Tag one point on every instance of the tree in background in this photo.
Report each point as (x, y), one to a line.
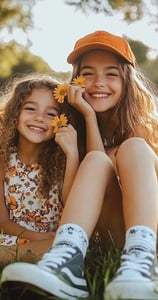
(132, 10)
(15, 13)
(14, 58)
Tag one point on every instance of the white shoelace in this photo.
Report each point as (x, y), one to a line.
(57, 256)
(141, 262)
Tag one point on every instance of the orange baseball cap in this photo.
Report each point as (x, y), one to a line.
(105, 41)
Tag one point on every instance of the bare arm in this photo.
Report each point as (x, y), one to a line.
(66, 137)
(75, 98)
(93, 140)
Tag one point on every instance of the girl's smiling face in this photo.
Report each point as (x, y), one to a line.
(37, 113)
(103, 82)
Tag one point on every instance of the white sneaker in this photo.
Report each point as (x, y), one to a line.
(137, 278)
(60, 273)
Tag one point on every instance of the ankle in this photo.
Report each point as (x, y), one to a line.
(72, 235)
(141, 238)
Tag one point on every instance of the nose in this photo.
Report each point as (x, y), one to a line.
(39, 117)
(99, 82)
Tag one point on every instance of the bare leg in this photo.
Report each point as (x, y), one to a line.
(138, 170)
(111, 221)
(85, 199)
(137, 165)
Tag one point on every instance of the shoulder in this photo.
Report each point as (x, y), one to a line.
(141, 132)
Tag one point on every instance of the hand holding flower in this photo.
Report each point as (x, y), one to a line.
(59, 121)
(60, 91)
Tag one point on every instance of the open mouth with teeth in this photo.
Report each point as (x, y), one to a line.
(35, 128)
(99, 96)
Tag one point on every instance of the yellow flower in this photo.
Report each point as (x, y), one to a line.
(59, 122)
(79, 80)
(60, 92)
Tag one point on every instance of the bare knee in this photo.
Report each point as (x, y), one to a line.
(133, 148)
(98, 157)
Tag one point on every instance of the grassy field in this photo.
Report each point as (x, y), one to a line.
(99, 268)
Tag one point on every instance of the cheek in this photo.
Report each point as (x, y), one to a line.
(51, 132)
(23, 116)
(85, 96)
(120, 92)
(118, 86)
(20, 121)
(88, 82)
(88, 85)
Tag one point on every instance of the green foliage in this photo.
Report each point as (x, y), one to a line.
(16, 59)
(132, 10)
(15, 13)
(151, 69)
(140, 50)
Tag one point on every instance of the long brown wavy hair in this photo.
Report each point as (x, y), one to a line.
(51, 159)
(138, 107)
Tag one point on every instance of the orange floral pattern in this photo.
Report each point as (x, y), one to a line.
(25, 208)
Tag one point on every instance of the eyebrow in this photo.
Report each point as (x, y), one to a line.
(91, 67)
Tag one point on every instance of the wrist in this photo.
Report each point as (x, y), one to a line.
(72, 156)
(91, 116)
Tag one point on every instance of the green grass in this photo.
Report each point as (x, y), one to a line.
(99, 268)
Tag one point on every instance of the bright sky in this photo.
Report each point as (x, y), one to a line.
(57, 26)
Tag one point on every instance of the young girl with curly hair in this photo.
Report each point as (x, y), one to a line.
(116, 114)
(37, 165)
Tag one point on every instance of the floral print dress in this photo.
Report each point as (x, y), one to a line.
(25, 208)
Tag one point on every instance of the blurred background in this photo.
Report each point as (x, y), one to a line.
(38, 35)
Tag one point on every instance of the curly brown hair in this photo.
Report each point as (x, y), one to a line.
(138, 107)
(52, 159)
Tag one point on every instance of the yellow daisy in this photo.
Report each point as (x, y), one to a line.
(60, 92)
(59, 122)
(79, 80)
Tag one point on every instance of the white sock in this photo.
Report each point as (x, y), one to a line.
(74, 235)
(140, 237)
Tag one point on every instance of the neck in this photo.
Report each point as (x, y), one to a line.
(107, 122)
(28, 155)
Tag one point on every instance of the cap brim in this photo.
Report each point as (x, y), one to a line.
(74, 55)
